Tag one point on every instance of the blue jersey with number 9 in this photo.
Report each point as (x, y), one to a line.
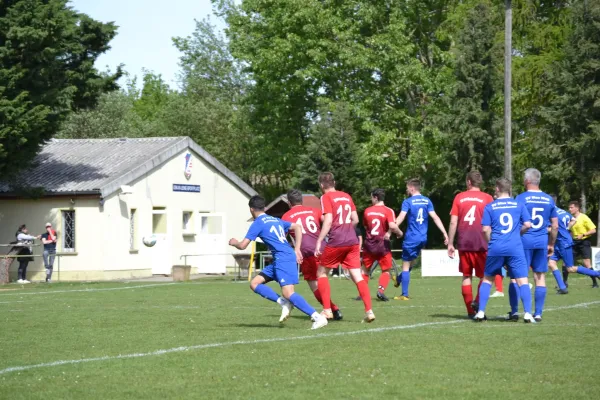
(505, 216)
(541, 207)
(272, 231)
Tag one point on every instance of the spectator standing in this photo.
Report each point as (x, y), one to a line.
(49, 241)
(25, 241)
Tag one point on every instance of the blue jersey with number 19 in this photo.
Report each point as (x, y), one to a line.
(505, 216)
(541, 207)
(417, 210)
(272, 232)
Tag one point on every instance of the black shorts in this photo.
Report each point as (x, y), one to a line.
(582, 249)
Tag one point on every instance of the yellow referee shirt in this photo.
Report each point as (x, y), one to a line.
(582, 225)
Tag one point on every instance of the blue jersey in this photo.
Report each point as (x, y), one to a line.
(272, 232)
(541, 207)
(505, 216)
(564, 238)
(417, 210)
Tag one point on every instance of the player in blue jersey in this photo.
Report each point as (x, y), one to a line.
(284, 270)
(504, 220)
(416, 209)
(537, 242)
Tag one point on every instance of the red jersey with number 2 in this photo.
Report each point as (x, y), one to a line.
(468, 207)
(376, 220)
(340, 206)
(309, 218)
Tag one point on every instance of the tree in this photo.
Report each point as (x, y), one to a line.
(47, 55)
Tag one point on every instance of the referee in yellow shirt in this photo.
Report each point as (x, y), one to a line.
(581, 232)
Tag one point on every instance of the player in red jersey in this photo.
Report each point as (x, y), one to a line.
(309, 219)
(378, 220)
(339, 220)
(465, 217)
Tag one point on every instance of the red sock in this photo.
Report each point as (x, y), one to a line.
(384, 281)
(498, 282)
(325, 291)
(478, 286)
(320, 300)
(467, 292)
(366, 278)
(363, 290)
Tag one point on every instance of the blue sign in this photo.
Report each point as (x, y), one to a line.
(186, 188)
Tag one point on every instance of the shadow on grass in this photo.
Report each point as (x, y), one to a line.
(241, 325)
(448, 316)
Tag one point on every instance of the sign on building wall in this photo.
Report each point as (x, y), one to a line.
(186, 188)
(188, 166)
(437, 263)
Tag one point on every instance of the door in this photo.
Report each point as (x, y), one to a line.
(161, 251)
(212, 244)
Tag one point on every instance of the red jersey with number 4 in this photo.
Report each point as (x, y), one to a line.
(468, 207)
(309, 218)
(340, 206)
(376, 220)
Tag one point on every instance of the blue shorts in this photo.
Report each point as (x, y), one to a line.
(516, 265)
(283, 272)
(537, 259)
(565, 254)
(410, 251)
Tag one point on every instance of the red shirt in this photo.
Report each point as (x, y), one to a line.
(376, 220)
(468, 207)
(340, 206)
(309, 218)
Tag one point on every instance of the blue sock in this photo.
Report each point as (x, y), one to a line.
(525, 294)
(540, 299)
(301, 304)
(484, 295)
(266, 292)
(513, 297)
(405, 282)
(587, 271)
(559, 279)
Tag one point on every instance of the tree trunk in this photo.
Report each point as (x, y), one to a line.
(582, 184)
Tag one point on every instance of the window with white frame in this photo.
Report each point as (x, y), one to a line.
(133, 229)
(68, 231)
(187, 223)
(159, 220)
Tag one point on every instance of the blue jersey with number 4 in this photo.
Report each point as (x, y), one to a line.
(272, 231)
(505, 216)
(541, 207)
(417, 210)
(564, 238)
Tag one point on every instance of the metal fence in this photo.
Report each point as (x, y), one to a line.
(4, 257)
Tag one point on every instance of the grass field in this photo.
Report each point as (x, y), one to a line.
(224, 342)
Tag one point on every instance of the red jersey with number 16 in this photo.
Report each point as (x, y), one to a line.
(468, 207)
(340, 206)
(309, 219)
(376, 220)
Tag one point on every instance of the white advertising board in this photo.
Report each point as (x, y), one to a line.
(596, 258)
(437, 263)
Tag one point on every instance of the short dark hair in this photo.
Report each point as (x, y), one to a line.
(294, 196)
(327, 180)
(257, 203)
(575, 203)
(414, 182)
(379, 194)
(503, 185)
(475, 178)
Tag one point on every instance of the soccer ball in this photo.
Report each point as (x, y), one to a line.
(149, 241)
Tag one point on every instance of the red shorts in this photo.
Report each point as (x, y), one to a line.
(385, 261)
(309, 268)
(348, 256)
(472, 261)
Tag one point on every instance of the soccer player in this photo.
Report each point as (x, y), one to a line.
(581, 232)
(504, 220)
(537, 243)
(284, 269)
(378, 220)
(465, 219)
(309, 219)
(339, 220)
(416, 209)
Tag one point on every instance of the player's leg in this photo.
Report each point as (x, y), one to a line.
(319, 321)
(259, 284)
(493, 266)
(352, 263)
(310, 266)
(368, 260)
(386, 263)
(478, 262)
(410, 252)
(553, 266)
(539, 265)
(587, 261)
(466, 268)
(518, 269)
(498, 281)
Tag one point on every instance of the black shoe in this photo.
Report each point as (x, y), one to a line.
(562, 291)
(337, 315)
(471, 316)
(595, 286)
(358, 298)
(512, 317)
(382, 297)
(475, 306)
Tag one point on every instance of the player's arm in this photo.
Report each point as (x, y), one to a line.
(354, 218)
(325, 228)
(297, 228)
(395, 229)
(572, 222)
(452, 234)
(525, 227)
(487, 233)
(240, 245)
(401, 218)
(591, 228)
(553, 231)
(438, 223)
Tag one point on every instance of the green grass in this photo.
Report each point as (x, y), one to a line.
(452, 359)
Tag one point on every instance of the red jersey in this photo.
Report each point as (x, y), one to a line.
(340, 206)
(376, 220)
(309, 219)
(468, 207)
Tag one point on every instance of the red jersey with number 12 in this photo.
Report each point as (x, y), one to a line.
(309, 218)
(340, 206)
(376, 220)
(468, 207)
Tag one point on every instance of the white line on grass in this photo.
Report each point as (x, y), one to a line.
(87, 290)
(9, 302)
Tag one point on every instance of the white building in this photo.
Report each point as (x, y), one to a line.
(104, 195)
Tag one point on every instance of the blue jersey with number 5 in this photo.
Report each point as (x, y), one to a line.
(564, 238)
(272, 231)
(541, 207)
(417, 210)
(505, 216)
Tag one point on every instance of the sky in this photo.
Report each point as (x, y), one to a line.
(145, 31)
